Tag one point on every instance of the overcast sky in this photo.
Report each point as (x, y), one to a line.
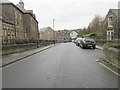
(69, 14)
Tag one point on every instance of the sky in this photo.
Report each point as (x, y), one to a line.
(68, 14)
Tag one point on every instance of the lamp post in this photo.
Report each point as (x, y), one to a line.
(54, 23)
(53, 29)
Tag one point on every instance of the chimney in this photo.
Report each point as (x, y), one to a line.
(21, 3)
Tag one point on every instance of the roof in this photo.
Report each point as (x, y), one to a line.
(24, 10)
(44, 29)
(5, 19)
(76, 30)
(5, 1)
(115, 11)
(63, 31)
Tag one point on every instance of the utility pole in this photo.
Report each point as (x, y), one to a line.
(53, 29)
(54, 24)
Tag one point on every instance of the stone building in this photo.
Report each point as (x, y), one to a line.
(30, 24)
(8, 34)
(25, 23)
(63, 35)
(110, 25)
(67, 35)
(47, 33)
(16, 16)
(111, 29)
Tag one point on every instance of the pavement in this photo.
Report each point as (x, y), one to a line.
(99, 47)
(103, 62)
(65, 66)
(12, 58)
(62, 66)
(109, 66)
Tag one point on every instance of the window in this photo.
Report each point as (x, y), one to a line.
(110, 35)
(26, 33)
(5, 33)
(110, 21)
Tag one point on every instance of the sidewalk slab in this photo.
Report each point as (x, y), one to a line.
(109, 66)
(99, 47)
(21, 55)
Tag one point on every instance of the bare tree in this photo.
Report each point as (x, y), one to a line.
(95, 26)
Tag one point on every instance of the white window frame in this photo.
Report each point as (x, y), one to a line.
(110, 34)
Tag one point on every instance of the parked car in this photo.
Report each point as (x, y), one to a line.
(87, 43)
(77, 41)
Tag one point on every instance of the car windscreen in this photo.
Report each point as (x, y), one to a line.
(89, 39)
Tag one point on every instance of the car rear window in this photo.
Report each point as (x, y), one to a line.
(88, 39)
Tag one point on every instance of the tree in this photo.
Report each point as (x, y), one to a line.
(95, 26)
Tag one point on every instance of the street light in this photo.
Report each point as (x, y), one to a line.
(54, 24)
(53, 29)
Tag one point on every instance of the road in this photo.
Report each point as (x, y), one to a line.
(62, 66)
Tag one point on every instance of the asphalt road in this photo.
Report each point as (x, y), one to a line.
(62, 66)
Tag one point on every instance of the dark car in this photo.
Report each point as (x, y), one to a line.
(88, 43)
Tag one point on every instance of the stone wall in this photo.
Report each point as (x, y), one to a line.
(17, 48)
(100, 42)
(10, 49)
(111, 53)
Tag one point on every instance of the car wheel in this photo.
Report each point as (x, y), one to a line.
(83, 47)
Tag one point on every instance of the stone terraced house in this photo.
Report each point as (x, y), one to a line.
(110, 25)
(25, 23)
(8, 34)
(47, 33)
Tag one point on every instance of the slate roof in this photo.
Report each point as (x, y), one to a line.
(5, 19)
(115, 11)
(44, 29)
(76, 30)
(5, 1)
(19, 8)
(24, 10)
(63, 33)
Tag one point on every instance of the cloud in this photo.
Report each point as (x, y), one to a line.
(69, 14)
